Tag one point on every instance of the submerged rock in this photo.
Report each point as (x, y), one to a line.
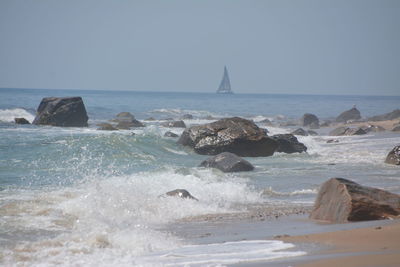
(187, 117)
(236, 135)
(126, 125)
(288, 143)
(62, 111)
(330, 141)
(21, 121)
(352, 114)
(394, 156)
(227, 162)
(341, 200)
(310, 120)
(174, 124)
(182, 193)
(170, 134)
(300, 131)
(106, 127)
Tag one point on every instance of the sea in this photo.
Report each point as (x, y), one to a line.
(85, 197)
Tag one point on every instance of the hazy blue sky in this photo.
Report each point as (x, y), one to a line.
(303, 47)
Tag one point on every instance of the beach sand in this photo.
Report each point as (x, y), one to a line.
(369, 246)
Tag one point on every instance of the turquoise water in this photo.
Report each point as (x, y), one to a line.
(87, 197)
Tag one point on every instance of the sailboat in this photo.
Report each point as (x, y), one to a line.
(225, 85)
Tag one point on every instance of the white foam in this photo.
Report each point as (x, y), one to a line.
(8, 115)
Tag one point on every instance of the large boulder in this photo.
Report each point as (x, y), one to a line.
(347, 131)
(352, 114)
(125, 121)
(340, 200)
(236, 135)
(21, 121)
(387, 116)
(288, 143)
(174, 124)
(394, 156)
(310, 120)
(227, 162)
(62, 111)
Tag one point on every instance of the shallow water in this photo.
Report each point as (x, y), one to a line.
(78, 196)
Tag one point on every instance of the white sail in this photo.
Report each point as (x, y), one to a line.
(225, 85)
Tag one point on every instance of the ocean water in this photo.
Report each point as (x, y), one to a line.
(83, 197)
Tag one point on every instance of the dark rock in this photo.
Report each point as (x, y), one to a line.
(309, 119)
(187, 117)
(396, 128)
(182, 193)
(325, 124)
(126, 125)
(106, 127)
(288, 124)
(174, 124)
(21, 121)
(62, 111)
(347, 131)
(150, 119)
(387, 116)
(349, 115)
(373, 128)
(266, 122)
(288, 143)
(236, 135)
(125, 116)
(300, 131)
(394, 156)
(340, 200)
(227, 162)
(330, 141)
(170, 134)
(312, 133)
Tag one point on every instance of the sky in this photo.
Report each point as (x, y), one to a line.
(281, 46)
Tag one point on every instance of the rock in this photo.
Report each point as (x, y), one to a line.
(62, 111)
(236, 135)
(150, 119)
(309, 119)
(325, 124)
(347, 131)
(312, 133)
(394, 156)
(330, 141)
(187, 117)
(125, 116)
(126, 125)
(387, 116)
(106, 127)
(227, 162)
(396, 128)
(266, 122)
(21, 121)
(288, 143)
(349, 115)
(373, 128)
(300, 131)
(174, 124)
(170, 134)
(340, 200)
(182, 193)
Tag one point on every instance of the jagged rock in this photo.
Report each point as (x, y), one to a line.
(373, 128)
(187, 117)
(288, 143)
(387, 116)
(394, 156)
(21, 121)
(340, 200)
(309, 119)
(347, 131)
(170, 134)
(182, 193)
(174, 124)
(227, 162)
(349, 115)
(106, 127)
(236, 135)
(62, 111)
(300, 131)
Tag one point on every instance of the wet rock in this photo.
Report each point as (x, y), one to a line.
(126, 125)
(288, 143)
(396, 128)
(373, 128)
(312, 133)
(106, 127)
(394, 156)
(341, 200)
(227, 162)
(150, 119)
(174, 124)
(62, 111)
(352, 114)
(387, 116)
(300, 131)
(236, 135)
(310, 120)
(325, 124)
(21, 121)
(330, 141)
(187, 117)
(266, 122)
(170, 134)
(347, 131)
(125, 116)
(182, 193)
